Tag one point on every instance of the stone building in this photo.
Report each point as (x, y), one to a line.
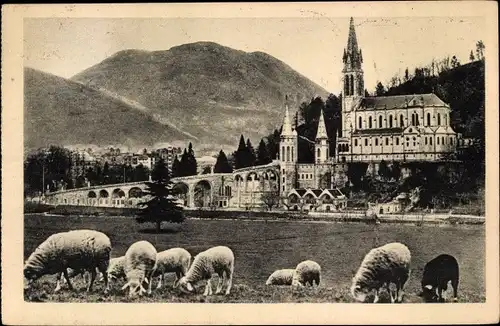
(390, 128)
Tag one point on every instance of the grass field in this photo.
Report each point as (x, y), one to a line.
(260, 247)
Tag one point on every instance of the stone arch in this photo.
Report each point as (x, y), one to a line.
(135, 192)
(360, 123)
(326, 198)
(380, 120)
(91, 194)
(118, 193)
(370, 122)
(428, 119)
(103, 194)
(309, 199)
(202, 193)
(181, 190)
(252, 181)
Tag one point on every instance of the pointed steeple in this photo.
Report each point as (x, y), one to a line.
(352, 55)
(287, 125)
(321, 133)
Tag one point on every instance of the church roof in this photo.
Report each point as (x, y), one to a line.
(321, 133)
(352, 54)
(400, 101)
(381, 131)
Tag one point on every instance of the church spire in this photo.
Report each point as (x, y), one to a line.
(352, 55)
(321, 133)
(287, 126)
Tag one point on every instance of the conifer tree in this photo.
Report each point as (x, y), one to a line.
(263, 154)
(250, 154)
(222, 164)
(183, 166)
(240, 154)
(191, 161)
(162, 206)
(176, 167)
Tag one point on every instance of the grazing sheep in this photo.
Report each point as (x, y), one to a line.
(217, 260)
(78, 250)
(139, 266)
(281, 277)
(175, 260)
(437, 273)
(306, 272)
(381, 266)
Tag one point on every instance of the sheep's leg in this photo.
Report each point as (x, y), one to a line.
(178, 276)
(229, 276)
(219, 285)
(208, 287)
(454, 284)
(60, 279)
(161, 278)
(92, 279)
(66, 276)
(375, 300)
(104, 271)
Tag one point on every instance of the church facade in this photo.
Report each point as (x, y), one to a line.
(391, 128)
(399, 128)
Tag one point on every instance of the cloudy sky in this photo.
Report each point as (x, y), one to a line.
(312, 46)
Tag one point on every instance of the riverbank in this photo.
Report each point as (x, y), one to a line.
(346, 216)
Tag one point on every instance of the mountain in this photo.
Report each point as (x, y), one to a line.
(210, 91)
(58, 111)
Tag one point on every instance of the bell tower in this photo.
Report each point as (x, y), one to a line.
(288, 154)
(353, 88)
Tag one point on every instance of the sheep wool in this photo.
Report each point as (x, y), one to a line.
(116, 268)
(281, 277)
(383, 265)
(140, 264)
(216, 260)
(306, 272)
(174, 260)
(78, 250)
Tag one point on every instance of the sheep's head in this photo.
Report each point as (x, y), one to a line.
(359, 293)
(428, 293)
(185, 285)
(135, 288)
(31, 274)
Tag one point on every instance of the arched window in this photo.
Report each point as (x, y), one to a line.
(352, 85)
(376, 141)
(445, 119)
(412, 119)
(397, 140)
(401, 121)
(439, 119)
(318, 155)
(346, 85)
(387, 141)
(425, 140)
(283, 153)
(339, 149)
(288, 153)
(390, 121)
(360, 122)
(416, 120)
(355, 142)
(380, 121)
(366, 142)
(369, 122)
(438, 140)
(442, 140)
(292, 154)
(430, 140)
(428, 119)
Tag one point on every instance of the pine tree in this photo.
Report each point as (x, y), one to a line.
(183, 166)
(176, 167)
(191, 161)
(471, 56)
(240, 155)
(162, 206)
(262, 154)
(251, 158)
(380, 90)
(222, 164)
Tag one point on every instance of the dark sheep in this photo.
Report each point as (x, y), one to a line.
(437, 273)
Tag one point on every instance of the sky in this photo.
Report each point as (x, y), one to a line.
(313, 46)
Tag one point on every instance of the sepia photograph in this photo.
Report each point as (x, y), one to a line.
(283, 157)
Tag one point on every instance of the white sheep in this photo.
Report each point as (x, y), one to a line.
(306, 272)
(78, 250)
(217, 260)
(174, 260)
(281, 277)
(381, 266)
(140, 264)
(116, 268)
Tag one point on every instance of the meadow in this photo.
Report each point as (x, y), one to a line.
(260, 247)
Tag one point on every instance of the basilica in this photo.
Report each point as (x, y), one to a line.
(391, 128)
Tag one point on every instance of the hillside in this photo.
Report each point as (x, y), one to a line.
(211, 91)
(62, 112)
